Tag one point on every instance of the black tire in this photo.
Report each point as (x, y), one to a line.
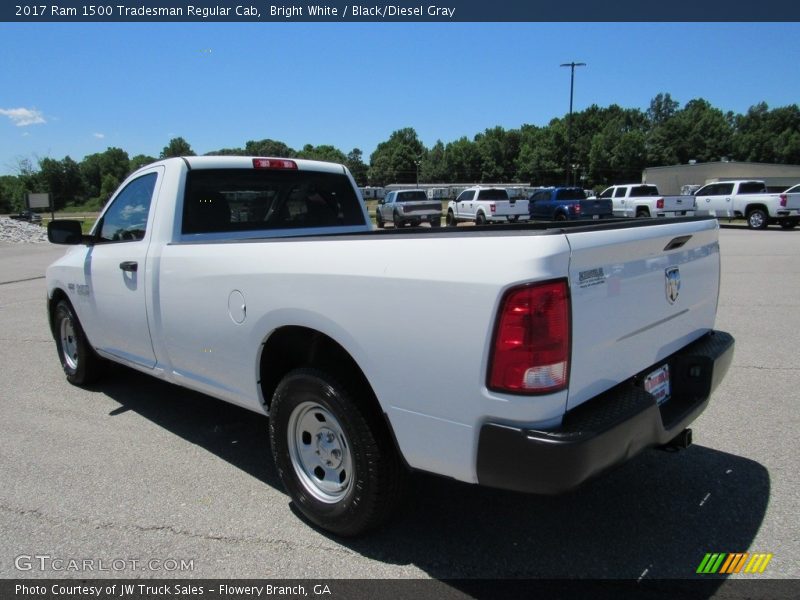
(398, 222)
(788, 224)
(642, 213)
(561, 217)
(757, 219)
(334, 456)
(451, 219)
(480, 219)
(80, 363)
(436, 221)
(378, 219)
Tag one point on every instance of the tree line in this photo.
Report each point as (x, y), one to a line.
(608, 145)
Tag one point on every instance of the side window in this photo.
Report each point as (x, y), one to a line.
(752, 187)
(709, 190)
(723, 189)
(619, 193)
(607, 193)
(465, 196)
(126, 218)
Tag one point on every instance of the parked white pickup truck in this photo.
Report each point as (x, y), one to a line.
(643, 200)
(408, 206)
(749, 199)
(260, 281)
(483, 205)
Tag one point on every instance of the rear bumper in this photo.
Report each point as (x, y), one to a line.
(606, 430)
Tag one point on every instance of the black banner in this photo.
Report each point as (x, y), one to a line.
(400, 589)
(400, 11)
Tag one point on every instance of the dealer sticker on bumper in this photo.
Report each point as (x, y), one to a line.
(657, 384)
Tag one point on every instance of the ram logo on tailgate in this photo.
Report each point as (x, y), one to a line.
(673, 286)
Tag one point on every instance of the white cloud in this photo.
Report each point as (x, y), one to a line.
(22, 117)
(99, 136)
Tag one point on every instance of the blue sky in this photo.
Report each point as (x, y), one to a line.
(78, 88)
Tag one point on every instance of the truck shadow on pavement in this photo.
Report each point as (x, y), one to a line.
(653, 518)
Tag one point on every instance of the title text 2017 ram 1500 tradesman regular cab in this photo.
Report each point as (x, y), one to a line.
(261, 282)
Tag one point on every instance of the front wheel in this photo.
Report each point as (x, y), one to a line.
(80, 363)
(451, 219)
(757, 219)
(378, 219)
(337, 463)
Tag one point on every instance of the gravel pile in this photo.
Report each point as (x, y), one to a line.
(21, 232)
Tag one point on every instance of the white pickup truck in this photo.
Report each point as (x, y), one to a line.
(483, 205)
(643, 200)
(751, 200)
(260, 281)
(413, 207)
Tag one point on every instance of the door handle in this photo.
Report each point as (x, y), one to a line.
(129, 265)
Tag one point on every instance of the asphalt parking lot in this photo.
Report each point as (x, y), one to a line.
(154, 477)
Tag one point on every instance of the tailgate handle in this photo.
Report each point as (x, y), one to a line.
(678, 242)
(129, 265)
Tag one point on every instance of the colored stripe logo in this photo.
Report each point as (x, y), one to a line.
(728, 563)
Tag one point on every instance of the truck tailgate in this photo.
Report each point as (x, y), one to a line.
(638, 295)
(792, 201)
(678, 204)
(510, 208)
(595, 206)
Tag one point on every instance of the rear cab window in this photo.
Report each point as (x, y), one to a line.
(492, 194)
(414, 196)
(234, 200)
(639, 191)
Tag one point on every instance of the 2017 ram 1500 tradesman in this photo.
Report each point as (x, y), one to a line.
(261, 282)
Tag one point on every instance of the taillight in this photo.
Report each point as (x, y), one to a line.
(784, 200)
(273, 163)
(530, 350)
(492, 207)
(660, 203)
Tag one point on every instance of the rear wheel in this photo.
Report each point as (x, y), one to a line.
(480, 219)
(451, 219)
(757, 219)
(642, 213)
(335, 459)
(398, 222)
(379, 219)
(80, 363)
(788, 224)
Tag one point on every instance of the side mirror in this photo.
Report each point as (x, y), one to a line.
(64, 231)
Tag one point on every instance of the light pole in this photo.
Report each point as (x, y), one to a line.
(572, 66)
